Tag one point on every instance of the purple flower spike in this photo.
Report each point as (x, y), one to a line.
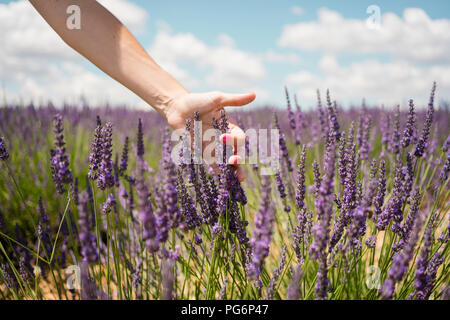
(124, 158)
(385, 129)
(61, 173)
(262, 235)
(410, 126)
(106, 176)
(188, 210)
(283, 145)
(445, 169)
(365, 137)
(291, 115)
(395, 138)
(427, 266)
(301, 187)
(400, 263)
(393, 209)
(140, 140)
(4, 155)
(422, 143)
(371, 241)
(145, 205)
(324, 207)
(170, 183)
(109, 204)
(381, 190)
(96, 151)
(332, 118)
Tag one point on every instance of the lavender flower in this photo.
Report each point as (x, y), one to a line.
(282, 191)
(237, 224)
(61, 173)
(408, 173)
(270, 291)
(357, 227)
(365, 137)
(385, 129)
(445, 169)
(144, 203)
(393, 209)
(4, 155)
(43, 229)
(109, 204)
(332, 118)
(140, 140)
(371, 241)
(317, 178)
(321, 230)
(381, 190)
(342, 160)
(96, 151)
(262, 235)
(170, 184)
(207, 203)
(350, 187)
(106, 177)
(188, 210)
(283, 146)
(8, 276)
(446, 144)
(124, 158)
(301, 187)
(400, 263)
(300, 229)
(395, 138)
(372, 186)
(422, 143)
(161, 215)
(23, 271)
(280, 185)
(290, 113)
(410, 126)
(406, 228)
(432, 269)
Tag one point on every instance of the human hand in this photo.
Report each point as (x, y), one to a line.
(209, 106)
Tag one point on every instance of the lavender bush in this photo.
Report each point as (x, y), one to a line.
(96, 190)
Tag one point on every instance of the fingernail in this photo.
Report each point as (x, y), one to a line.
(224, 139)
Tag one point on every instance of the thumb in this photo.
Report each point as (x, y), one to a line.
(232, 99)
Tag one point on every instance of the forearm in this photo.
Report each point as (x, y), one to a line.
(108, 44)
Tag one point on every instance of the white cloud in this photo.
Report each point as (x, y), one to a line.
(131, 15)
(41, 66)
(414, 36)
(225, 66)
(273, 56)
(297, 10)
(389, 83)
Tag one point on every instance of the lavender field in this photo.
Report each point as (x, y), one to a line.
(93, 207)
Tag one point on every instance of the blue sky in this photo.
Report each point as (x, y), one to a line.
(306, 45)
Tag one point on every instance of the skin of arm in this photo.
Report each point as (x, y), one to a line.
(108, 44)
